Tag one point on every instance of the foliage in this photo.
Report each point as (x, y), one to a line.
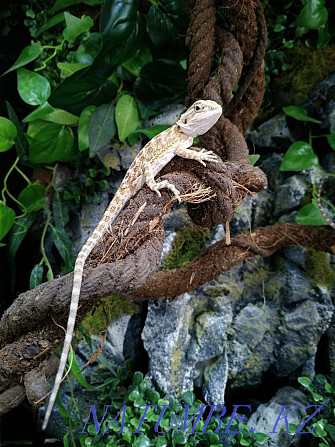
(292, 24)
(169, 424)
(85, 89)
(301, 156)
(322, 429)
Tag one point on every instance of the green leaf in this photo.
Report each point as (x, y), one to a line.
(76, 26)
(58, 18)
(61, 4)
(8, 134)
(189, 398)
(33, 88)
(7, 219)
(60, 211)
(79, 91)
(83, 140)
(304, 381)
(27, 55)
(63, 117)
(21, 143)
(331, 140)
(167, 26)
(88, 49)
(18, 233)
(126, 116)
(253, 159)
(42, 110)
(50, 142)
(36, 276)
(122, 28)
(261, 437)
(32, 197)
(299, 113)
(299, 156)
(244, 442)
(150, 132)
(69, 68)
(313, 16)
(161, 82)
(310, 215)
(64, 246)
(101, 127)
(136, 62)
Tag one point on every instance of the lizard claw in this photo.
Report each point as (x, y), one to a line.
(207, 156)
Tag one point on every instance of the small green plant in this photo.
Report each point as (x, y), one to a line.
(301, 156)
(321, 392)
(137, 415)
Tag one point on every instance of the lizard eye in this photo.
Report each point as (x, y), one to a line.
(197, 108)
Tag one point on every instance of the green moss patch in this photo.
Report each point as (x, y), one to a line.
(319, 269)
(188, 243)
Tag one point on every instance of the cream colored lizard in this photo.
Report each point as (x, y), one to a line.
(176, 140)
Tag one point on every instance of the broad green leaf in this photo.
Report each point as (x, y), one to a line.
(21, 143)
(69, 68)
(83, 140)
(64, 246)
(18, 233)
(136, 62)
(261, 437)
(101, 127)
(32, 197)
(79, 91)
(167, 26)
(59, 116)
(33, 88)
(27, 55)
(150, 132)
(8, 134)
(313, 16)
(88, 49)
(78, 375)
(161, 82)
(310, 215)
(122, 28)
(331, 140)
(42, 110)
(253, 158)
(7, 219)
(50, 142)
(60, 211)
(36, 276)
(58, 18)
(298, 157)
(299, 113)
(76, 26)
(126, 116)
(61, 4)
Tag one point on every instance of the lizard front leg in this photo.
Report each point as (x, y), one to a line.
(200, 156)
(156, 186)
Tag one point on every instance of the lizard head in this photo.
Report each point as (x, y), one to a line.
(199, 118)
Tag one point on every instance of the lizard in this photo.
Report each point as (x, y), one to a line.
(176, 140)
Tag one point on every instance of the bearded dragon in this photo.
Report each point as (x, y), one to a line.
(176, 140)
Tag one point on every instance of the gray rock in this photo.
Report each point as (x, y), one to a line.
(274, 133)
(265, 417)
(184, 339)
(289, 195)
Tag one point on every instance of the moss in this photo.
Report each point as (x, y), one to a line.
(309, 67)
(186, 246)
(176, 369)
(318, 268)
(108, 311)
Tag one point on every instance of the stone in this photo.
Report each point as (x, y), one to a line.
(289, 195)
(274, 134)
(263, 420)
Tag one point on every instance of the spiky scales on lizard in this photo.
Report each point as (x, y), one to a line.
(176, 140)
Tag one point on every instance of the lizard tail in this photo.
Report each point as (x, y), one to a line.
(108, 218)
